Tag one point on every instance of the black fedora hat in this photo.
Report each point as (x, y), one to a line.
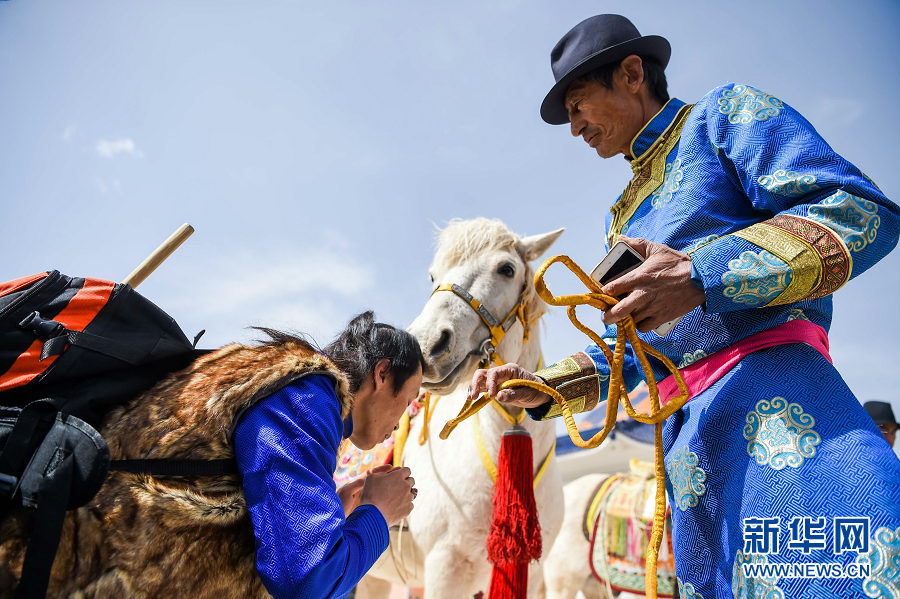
(594, 42)
(881, 412)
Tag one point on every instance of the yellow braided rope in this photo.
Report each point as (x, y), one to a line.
(513, 420)
(625, 333)
(427, 410)
(400, 440)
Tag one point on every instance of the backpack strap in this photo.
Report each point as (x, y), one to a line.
(165, 467)
(64, 472)
(57, 337)
(67, 468)
(48, 524)
(31, 425)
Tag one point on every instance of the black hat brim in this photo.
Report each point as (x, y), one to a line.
(553, 108)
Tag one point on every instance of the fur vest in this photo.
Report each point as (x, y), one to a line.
(146, 537)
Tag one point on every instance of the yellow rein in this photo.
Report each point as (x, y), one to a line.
(428, 404)
(625, 332)
(498, 330)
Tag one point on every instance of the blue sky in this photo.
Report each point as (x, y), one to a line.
(314, 145)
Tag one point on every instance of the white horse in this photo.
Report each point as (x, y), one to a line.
(443, 546)
(567, 566)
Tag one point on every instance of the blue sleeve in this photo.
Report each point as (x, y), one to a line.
(583, 378)
(286, 447)
(822, 221)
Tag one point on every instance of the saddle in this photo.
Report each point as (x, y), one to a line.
(618, 523)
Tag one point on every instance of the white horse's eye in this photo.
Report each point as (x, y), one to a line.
(507, 270)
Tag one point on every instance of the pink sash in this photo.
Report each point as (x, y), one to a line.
(702, 374)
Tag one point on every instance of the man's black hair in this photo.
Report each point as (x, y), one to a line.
(364, 342)
(654, 77)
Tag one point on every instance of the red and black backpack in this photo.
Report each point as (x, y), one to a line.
(70, 350)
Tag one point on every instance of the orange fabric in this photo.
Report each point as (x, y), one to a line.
(16, 284)
(77, 314)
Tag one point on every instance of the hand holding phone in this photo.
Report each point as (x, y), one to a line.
(622, 259)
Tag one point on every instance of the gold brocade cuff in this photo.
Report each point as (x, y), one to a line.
(576, 379)
(820, 263)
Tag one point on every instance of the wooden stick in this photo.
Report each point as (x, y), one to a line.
(150, 263)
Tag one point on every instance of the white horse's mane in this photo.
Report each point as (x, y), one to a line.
(462, 240)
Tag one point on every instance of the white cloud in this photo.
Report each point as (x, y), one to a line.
(109, 148)
(254, 279)
(69, 133)
(309, 290)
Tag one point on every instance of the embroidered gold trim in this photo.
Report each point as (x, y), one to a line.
(575, 403)
(837, 263)
(635, 138)
(561, 371)
(649, 173)
(800, 256)
(820, 262)
(577, 379)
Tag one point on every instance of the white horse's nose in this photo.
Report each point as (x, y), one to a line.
(443, 345)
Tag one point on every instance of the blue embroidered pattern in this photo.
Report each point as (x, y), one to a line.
(788, 183)
(795, 314)
(704, 241)
(755, 278)
(753, 588)
(687, 478)
(884, 561)
(691, 358)
(780, 434)
(686, 590)
(856, 220)
(725, 148)
(743, 104)
(669, 186)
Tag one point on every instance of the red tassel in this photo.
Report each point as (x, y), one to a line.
(515, 537)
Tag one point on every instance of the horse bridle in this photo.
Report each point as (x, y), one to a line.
(488, 351)
(497, 328)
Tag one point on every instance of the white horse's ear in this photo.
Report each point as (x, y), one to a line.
(534, 246)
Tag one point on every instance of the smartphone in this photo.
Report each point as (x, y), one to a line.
(621, 259)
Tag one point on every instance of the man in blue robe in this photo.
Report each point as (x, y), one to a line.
(748, 221)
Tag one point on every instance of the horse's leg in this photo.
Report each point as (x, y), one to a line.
(567, 565)
(541, 592)
(449, 575)
(594, 589)
(373, 588)
(562, 587)
(567, 585)
(536, 588)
